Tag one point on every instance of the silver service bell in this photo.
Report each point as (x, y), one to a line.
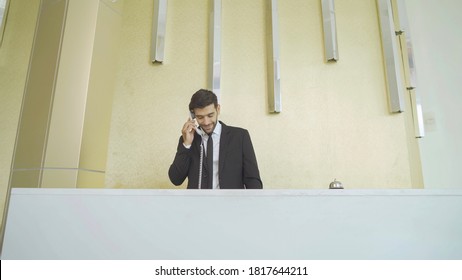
(336, 185)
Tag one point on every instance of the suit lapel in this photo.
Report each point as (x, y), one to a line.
(224, 139)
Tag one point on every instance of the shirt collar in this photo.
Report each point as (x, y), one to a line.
(217, 129)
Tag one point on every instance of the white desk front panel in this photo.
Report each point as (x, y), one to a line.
(234, 224)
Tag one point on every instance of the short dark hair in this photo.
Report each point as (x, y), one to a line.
(203, 98)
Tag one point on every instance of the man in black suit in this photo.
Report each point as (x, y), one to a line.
(211, 154)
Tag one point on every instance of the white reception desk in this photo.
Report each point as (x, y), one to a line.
(234, 224)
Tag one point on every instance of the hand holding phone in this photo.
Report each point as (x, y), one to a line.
(189, 129)
(196, 125)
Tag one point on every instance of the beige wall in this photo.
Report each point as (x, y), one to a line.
(335, 121)
(80, 119)
(36, 111)
(14, 61)
(97, 118)
(64, 125)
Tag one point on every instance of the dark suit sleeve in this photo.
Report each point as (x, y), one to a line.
(179, 169)
(251, 174)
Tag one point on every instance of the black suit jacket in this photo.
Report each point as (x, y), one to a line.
(238, 167)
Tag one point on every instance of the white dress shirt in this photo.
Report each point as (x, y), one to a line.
(216, 134)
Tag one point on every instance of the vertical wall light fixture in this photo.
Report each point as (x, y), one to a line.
(215, 42)
(159, 26)
(330, 30)
(391, 56)
(273, 65)
(410, 69)
(404, 29)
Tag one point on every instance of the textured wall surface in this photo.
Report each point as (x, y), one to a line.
(335, 121)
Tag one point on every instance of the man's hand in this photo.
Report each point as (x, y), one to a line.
(188, 131)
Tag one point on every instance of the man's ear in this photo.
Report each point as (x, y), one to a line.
(218, 109)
